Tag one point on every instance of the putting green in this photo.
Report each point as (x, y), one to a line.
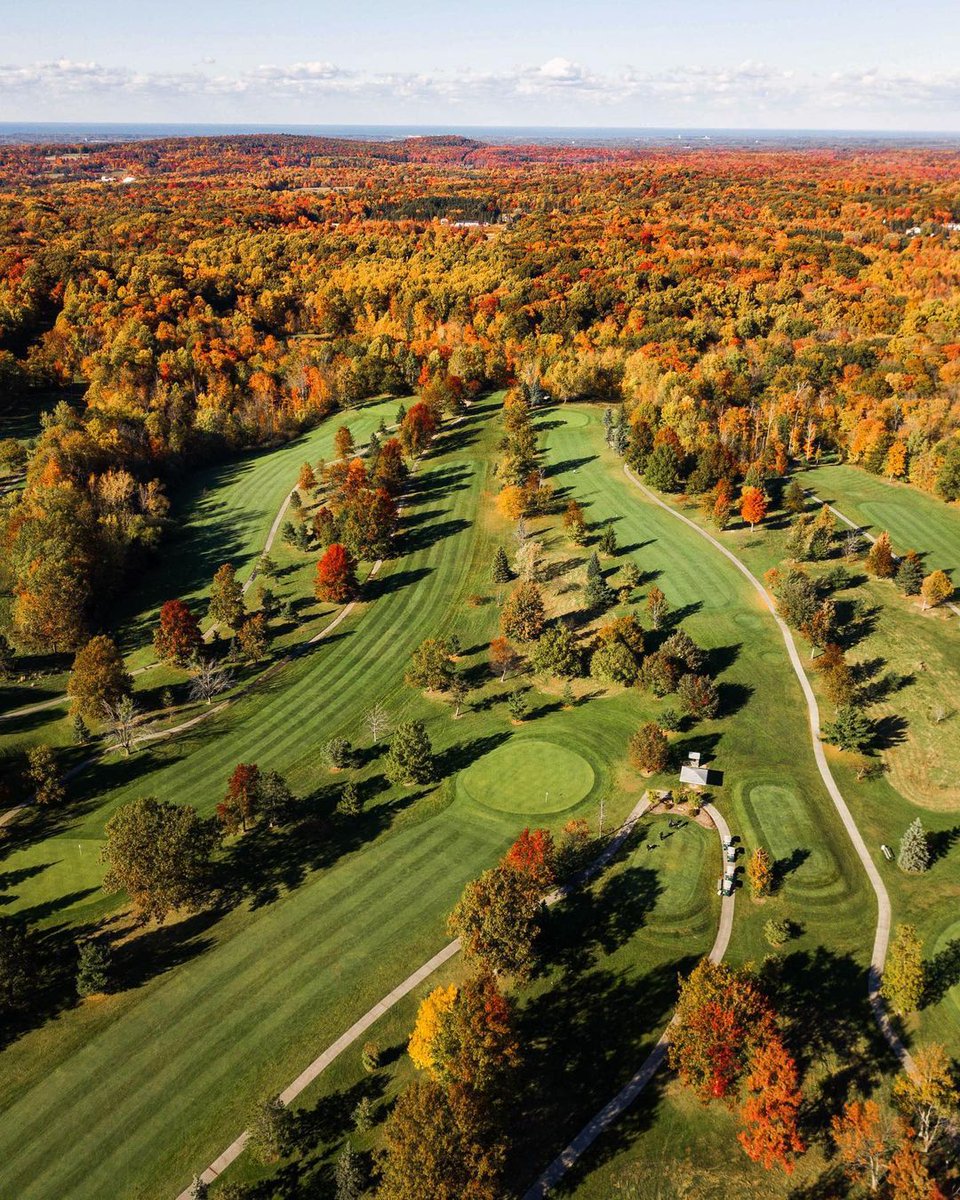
(528, 776)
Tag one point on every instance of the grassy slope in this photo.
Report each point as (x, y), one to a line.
(773, 795)
(922, 760)
(222, 513)
(614, 953)
(914, 519)
(338, 938)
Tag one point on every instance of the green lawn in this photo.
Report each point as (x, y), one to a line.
(922, 754)
(914, 519)
(146, 1071)
(149, 1085)
(614, 952)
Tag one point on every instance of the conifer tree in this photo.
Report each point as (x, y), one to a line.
(909, 575)
(914, 853)
(410, 759)
(501, 567)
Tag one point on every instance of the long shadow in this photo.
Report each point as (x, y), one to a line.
(783, 867)
(721, 658)
(940, 842)
(834, 986)
(733, 697)
(943, 972)
(423, 539)
(462, 754)
(155, 951)
(394, 581)
(889, 731)
(569, 464)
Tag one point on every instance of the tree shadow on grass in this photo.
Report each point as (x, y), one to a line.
(423, 539)
(460, 755)
(598, 920)
(156, 950)
(569, 464)
(783, 867)
(941, 842)
(733, 697)
(822, 996)
(393, 581)
(583, 1040)
(889, 731)
(721, 658)
(943, 973)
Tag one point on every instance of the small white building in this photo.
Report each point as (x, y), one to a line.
(698, 776)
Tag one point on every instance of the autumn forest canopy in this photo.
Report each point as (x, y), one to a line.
(231, 291)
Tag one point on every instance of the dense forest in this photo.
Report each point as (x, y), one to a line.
(747, 310)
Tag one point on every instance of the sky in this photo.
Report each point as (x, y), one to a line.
(774, 64)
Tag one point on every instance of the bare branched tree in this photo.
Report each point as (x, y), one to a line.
(377, 721)
(209, 680)
(121, 721)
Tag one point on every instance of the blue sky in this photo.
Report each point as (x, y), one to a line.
(847, 64)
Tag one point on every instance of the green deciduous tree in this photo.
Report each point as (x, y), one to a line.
(904, 977)
(160, 854)
(226, 598)
(498, 920)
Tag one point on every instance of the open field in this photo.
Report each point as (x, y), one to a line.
(221, 513)
(340, 937)
(914, 519)
(342, 914)
(909, 664)
(671, 918)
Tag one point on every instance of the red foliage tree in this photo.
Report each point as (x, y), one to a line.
(533, 854)
(772, 1107)
(417, 428)
(243, 793)
(753, 505)
(336, 578)
(177, 637)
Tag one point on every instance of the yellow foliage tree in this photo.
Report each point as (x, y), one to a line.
(512, 502)
(935, 589)
(420, 1046)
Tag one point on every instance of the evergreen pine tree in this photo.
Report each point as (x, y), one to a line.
(852, 729)
(608, 541)
(6, 658)
(501, 567)
(348, 1174)
(81, 732)
(410, 759)
(909, 575)
(914, 853)
(93, 968)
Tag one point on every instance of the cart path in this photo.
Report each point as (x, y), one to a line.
(372, 1015)
(882, 934)
(612, 1111)
(863, 533)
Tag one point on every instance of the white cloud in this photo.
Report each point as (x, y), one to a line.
(746, 88)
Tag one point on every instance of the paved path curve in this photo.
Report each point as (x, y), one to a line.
(882, 935)
(372, 1015)
(655, 1059)
(860, 529)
